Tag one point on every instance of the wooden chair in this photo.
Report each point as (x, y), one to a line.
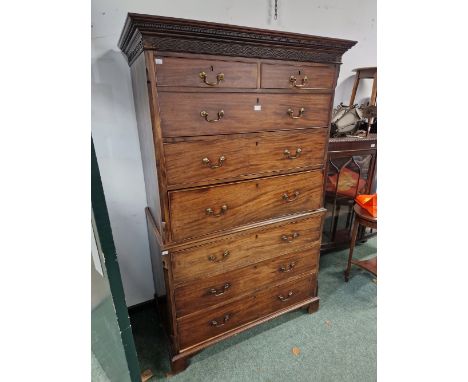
(362, 217)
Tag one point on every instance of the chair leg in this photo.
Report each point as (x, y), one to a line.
(351, 248)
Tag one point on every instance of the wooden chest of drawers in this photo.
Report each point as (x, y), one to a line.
(233, 126)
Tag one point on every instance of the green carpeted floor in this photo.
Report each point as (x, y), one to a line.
(338, 343)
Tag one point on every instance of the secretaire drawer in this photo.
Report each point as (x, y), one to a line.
(188, 72)
(207, 325)
(209, 291)
(228, 157)
(203, 210)
(240, 250)
(300, 76)
(192, 114)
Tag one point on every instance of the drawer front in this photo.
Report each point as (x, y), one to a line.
(188, 72)
(297, 77)
(206, 325)
(218, 289)
(231, 158)
(204, 210)
(192, 114)
(241, 250)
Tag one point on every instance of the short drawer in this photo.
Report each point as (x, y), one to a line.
(203, 162)
(298, 77)
(199, 211)
(201, 327)
(238, 251)
(202, 294)
(192, 114)
(188, 72)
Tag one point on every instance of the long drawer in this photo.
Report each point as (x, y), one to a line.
(205, 161)
(240, 250)
(184, 72)
(207, 325)
(217, 289)
(203, 210)
(300, 76)
(192, 114)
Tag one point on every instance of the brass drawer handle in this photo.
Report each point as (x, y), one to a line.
(299, 115)
(213, 258)
(282, 298)
(220, 292)
(291, 198)
(288, 155)
(217, 324)
(219, 78)
(204, 114)
(208, 163)
(293, 81)
(290, 238)
(287, 268)
(222, 211)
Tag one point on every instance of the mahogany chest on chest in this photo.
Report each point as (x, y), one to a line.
(233, 126)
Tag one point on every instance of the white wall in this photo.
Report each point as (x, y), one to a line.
(113, 116)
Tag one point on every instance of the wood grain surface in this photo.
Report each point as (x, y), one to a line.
(200, 327)
(180, 112)
(246, 202)
(253, 154)
(278, 76)
(241, 250)
(209, 291)
(185, 72)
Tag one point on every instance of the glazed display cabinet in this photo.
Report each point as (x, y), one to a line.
(351, 170)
